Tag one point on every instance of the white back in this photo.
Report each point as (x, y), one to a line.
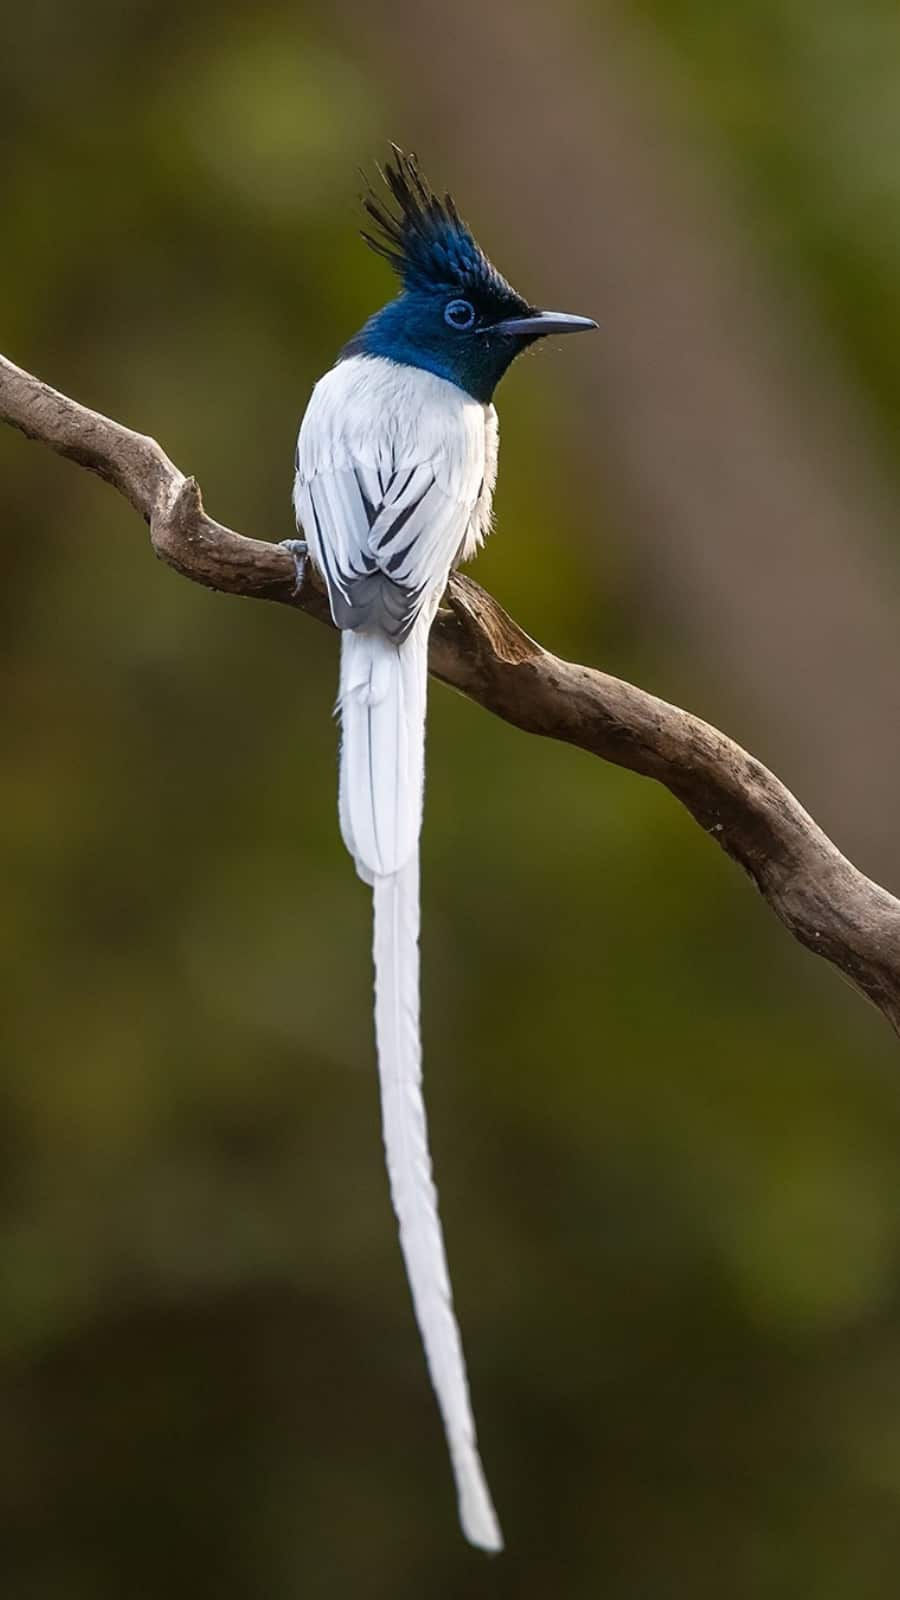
(385, 447)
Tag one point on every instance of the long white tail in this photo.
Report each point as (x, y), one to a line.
(382, 704)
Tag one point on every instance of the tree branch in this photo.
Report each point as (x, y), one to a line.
(822, 899)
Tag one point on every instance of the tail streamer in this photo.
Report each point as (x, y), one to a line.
(382, 705)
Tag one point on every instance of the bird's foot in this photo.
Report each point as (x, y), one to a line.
(299, 549)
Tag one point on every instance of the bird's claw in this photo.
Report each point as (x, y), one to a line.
(299, 549)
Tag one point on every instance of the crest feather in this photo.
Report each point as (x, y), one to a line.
(428, 243)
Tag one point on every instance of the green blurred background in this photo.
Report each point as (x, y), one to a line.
(667, 1141)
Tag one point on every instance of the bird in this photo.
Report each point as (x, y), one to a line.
(395, 468)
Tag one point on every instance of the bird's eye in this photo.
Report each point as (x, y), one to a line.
(459, 314)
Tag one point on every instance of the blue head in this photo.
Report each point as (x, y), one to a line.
(456, 315)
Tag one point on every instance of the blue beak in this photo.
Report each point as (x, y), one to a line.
(538, 323)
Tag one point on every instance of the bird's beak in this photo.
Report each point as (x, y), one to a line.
(538, 323)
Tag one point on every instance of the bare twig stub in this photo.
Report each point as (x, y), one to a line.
(822, 899)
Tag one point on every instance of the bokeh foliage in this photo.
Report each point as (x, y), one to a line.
(667, 1143)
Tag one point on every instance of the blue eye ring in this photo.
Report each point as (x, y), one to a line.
(459, 314)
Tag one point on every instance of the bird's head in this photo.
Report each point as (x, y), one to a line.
(456, 314)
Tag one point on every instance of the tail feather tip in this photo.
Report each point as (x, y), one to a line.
(479, 1520)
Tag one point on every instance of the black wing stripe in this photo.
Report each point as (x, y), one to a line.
(368, 507)
(398, 559)
(401, 520)
(398, 489)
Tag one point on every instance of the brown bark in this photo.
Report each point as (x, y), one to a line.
(822, 899)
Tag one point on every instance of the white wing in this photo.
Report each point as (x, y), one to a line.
(391, 466)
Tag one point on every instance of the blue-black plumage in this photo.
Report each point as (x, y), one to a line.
(456, 316)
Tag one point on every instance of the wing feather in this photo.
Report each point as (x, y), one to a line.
(380, 551)
(391, 472)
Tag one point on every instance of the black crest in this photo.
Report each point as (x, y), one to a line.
(429, 244)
